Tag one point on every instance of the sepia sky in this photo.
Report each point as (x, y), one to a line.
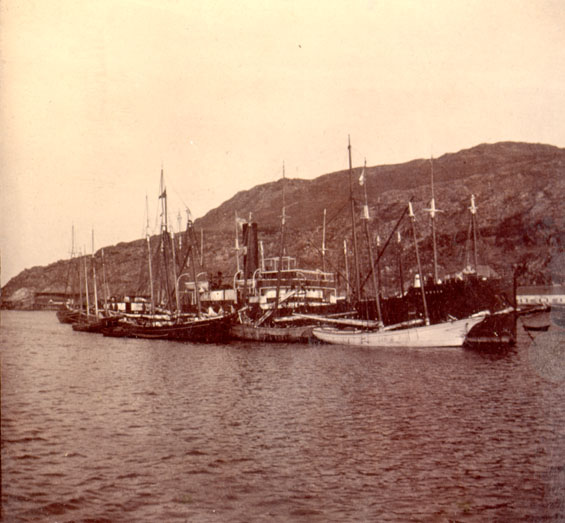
(96, 97)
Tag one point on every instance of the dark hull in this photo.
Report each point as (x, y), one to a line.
(456, 298)
(496, 331)
(94, 325)
(210, 330)
(68, 316)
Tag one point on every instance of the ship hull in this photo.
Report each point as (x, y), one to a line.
(208, 330)
(301, 334)
(447, 334)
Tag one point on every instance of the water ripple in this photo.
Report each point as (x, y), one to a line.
(101, 429)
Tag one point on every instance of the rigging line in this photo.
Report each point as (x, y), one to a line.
(177, 192)
(338, 212)
(156, 224)
(332, 266)
(382, 251)
(328, 222)
(468, 244)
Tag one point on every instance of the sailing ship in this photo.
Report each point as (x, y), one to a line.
(67, 314)
(410, 333)
(450, 333)
(394, 320)
(70, 311)
(94, 319)
(169, 317)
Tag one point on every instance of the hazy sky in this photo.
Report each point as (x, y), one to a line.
(96, 96)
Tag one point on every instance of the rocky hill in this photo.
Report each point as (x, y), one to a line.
(519, 190)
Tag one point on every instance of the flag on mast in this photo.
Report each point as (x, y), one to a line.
(362, 177)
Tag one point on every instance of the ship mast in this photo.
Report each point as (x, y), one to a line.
(86, 283)
(370, 247)
(432, 210)
(94, 278)
(148, 241)
(348, 285)
(236, 243)
(174, 256)
(283, 222)
(191, 239)
(413, 220)
(473, 209)
(324, 243)
(165, 240)
(105, 282)
(355, 251)
(201, 247)
(399, 254)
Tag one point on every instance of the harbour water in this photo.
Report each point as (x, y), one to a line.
(105, 429)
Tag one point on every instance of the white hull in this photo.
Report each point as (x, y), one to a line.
(448, 334)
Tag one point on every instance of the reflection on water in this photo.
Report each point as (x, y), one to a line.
(110, 429)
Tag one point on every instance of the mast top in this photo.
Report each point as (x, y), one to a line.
(283, 217)
(433, 210)
(473, 207)
(432, 174)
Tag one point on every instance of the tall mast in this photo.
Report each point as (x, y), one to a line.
(165, 235)
(72, 241)
(473, 209)
(370, 246)
(79, 280)
(174, 256)
(105, 282)
(324, 243)
(355, 252)
(413, 220)
(148, 241)
(179, 221)
(432, 210)
(236, 243)
(94, 278)
(171, 237)
(201, 246)
(86, 284)
(70, 278)
(190, 229)
(348, 285)
(400, 275)
(262, 255)
(283, 222)
(163, 197)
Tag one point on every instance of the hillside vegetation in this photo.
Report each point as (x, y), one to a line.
(519, 189)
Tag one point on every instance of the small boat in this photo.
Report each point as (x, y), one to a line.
(68, 315)
(293, 334)
(541, 328)
(95, 324)
(538, 319)
(557, 315)
(446, 334)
